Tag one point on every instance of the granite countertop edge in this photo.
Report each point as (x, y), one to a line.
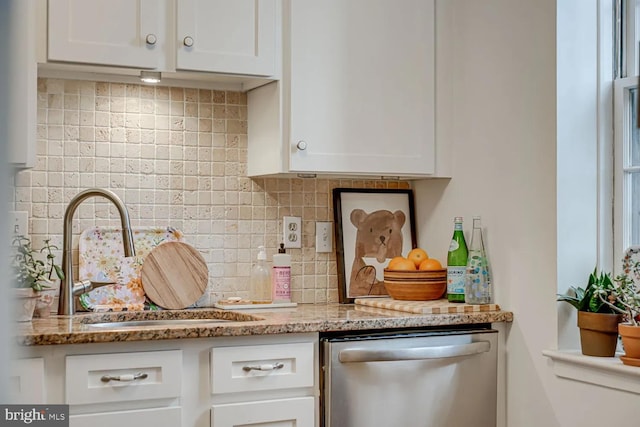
(60, 330)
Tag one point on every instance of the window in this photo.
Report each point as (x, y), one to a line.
(626, 132)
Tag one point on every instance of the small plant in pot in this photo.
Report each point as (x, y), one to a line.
(598, 321)
(34, 277)
(625, 299)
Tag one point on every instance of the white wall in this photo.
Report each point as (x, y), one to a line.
(503, 116)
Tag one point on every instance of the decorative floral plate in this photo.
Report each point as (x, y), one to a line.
(102, 260)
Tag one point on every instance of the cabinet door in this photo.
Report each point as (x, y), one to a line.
(295, 412)
(227, 36)
(26, 381)
(156, 417)
(127, 33)
(362, 87)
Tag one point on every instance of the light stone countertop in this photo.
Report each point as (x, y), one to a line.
(303, 318)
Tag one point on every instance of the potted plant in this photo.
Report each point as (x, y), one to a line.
(625, 299)
(33, 277)
(597, 320)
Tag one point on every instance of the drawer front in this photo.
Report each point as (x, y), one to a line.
(156, 417)
(261, 367)
(131, 376)
(295, 412)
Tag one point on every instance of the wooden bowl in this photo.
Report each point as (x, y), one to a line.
(416, 285)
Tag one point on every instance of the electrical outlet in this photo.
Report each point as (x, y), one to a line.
(324, 241)
(18, 223)
(292, 231)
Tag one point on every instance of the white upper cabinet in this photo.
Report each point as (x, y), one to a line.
(127, 33)
(357, 95)
(222, 36)
(229, 36)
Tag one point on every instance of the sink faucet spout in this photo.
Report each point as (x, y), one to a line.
(69, 289)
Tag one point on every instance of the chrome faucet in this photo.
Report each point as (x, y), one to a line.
(69, 289)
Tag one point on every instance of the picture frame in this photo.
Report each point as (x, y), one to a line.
(371, 227)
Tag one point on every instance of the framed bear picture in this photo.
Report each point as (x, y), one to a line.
(371, 227)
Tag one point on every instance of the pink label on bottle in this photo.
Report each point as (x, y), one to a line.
(281, 280)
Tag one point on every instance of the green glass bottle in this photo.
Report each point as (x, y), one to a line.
(456, 263)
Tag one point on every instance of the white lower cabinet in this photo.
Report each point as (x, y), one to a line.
(163, 417)
(26, 383)
(294, 412)
(267, 383)
(148, 384)
(267, 380)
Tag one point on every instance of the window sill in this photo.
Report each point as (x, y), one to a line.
(602, 371)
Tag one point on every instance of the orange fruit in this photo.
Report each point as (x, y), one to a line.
(417, 255)
(430, 264)
(394, 261)
(401, 263)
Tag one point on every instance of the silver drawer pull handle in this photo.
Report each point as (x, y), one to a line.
(124, 378)
(277, 365)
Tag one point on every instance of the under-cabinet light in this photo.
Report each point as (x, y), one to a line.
(150, 76)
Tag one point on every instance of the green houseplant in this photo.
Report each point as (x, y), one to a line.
(598, 320)
(33, 275)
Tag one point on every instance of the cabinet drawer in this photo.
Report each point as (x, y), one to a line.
(261, 367)
(295, 412)
(156, 417)
(158, 374)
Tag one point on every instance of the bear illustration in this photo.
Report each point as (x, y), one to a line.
(379, 235)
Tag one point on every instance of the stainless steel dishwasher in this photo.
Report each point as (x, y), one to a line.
(434, 378)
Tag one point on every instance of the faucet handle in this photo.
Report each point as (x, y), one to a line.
(86, 285)
(98, 284)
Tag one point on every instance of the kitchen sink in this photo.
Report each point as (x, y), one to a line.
(156, 322)
(187, 317)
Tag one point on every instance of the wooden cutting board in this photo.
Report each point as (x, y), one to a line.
(440, 306)
(174, 275)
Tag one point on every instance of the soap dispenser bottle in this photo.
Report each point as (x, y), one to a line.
(260, 279)
(281, 276)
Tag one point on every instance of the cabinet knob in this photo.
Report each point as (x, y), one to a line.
(302, 145)
(188, 41)
(151, 39)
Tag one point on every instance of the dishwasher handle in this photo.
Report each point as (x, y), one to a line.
(354, 355)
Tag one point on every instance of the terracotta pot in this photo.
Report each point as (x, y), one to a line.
(598, 333)
(630, 342)
(25, 304)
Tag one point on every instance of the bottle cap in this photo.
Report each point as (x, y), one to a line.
(457, 219)
(262, 254)
(281, 249)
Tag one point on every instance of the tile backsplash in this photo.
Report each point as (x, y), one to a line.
(177, 157)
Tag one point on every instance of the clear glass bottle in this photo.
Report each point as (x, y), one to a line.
(261, 279)
(456, 263)
(477, 281)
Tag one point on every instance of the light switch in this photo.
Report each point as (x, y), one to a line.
(18, 223)
(324, 237)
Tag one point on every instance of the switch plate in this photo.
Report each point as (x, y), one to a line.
(324, 239)
(292, 232)
(18, 223)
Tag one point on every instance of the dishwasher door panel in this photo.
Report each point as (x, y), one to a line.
(444, 380)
